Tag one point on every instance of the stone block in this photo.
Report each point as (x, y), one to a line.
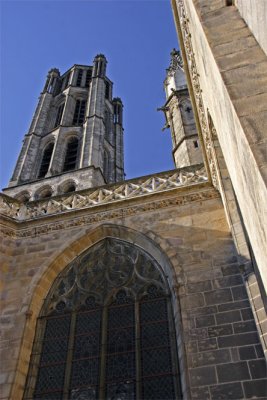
(258, 369)
(240, 59)
(199, 287)
(236, 45)
(259, 351)
(254, 126)
(233, 372)
(250, 105)
(218, 296)
(199, 274)
(210, 358)
(215, 331)
(228, 391)
(200, 393)
(248, 326)
(207, 344)
(228, 281)
(247, 353)
(194, 300)
(202, 376)
(192, 346)
(238, 340)
(203, 310)
(239, 293)
(246, 314)
(205, 320)
(228, 317)
(257, 302)
(255, 390)
(230, 270)
(234, 305)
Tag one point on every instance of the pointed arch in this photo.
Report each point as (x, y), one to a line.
(46, 159)
(70, 162)
(69, 254)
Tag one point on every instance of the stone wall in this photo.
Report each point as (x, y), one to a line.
(187, 233)
(254, 13)
(229, 72)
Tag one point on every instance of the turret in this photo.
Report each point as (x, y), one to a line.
(179, 115)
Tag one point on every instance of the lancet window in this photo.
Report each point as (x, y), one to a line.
(71, 154)
(106, 330)
(79, 112)
(88, 77)
(79, 77)
(59, 114)
(45, 163)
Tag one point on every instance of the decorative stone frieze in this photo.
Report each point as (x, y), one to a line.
(207, 136)
(135, 188)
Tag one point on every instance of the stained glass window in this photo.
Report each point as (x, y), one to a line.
(106, 330)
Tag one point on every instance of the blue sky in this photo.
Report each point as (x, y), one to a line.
(135, 35)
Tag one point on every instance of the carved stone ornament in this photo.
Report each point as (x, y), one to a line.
(176, 62)
(100, 216)
(207, 135)
(97, 275)
(105, 195)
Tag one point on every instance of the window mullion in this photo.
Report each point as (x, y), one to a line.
(137, 351)
(103, 354)
(69, 358)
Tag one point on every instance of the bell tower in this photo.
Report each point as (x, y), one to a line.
(75, 140)
(179, 115)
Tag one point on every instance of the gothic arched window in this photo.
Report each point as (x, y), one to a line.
(45, 163)
(106, 330)
(59, 114)
(71, 154)
(79, 112)
(106, 165)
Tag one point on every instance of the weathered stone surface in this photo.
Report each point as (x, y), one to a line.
(234, 305)
(248, 326)
(238, 339)
(258, 369)
(210, 358)
(226, 317)
(207, 344)
(221, 330)
(205, 321)
(202, 376)
(247, 353)
(233, 372)
(218, 296)
(227, 391)
(253, 390)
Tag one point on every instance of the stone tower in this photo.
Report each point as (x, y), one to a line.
(179, 115)
(75, 140)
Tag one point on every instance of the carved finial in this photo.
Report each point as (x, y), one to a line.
(100, 55)
(55, 70)
(176, 61)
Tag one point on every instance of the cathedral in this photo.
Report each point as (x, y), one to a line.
(151, 288)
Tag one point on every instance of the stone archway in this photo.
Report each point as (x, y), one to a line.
(63, 259)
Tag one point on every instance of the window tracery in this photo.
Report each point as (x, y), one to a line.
(106, 330)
